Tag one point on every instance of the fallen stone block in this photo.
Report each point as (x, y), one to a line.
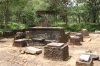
(97, 32)
(93, 56)
(84, 60)
(83, 63)
(32, 50)
(84, 57)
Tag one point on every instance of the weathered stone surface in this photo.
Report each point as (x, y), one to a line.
(55, 44)
(19, 35)
(97, 32)
(48, 33)
(75, 40)
(19, 43)
(67, 35)
(93, 56)
(27, 34)
(84, 57)
(8, 34)
(80, 35)
(33, 50)
(38, 41)
(85, 32)
(83, 63)
(57, 52)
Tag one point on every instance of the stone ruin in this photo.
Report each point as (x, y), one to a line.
(84, 60)
(56, 51)
(80, 35)
(44, 35)
(85, 32)
(75, 40)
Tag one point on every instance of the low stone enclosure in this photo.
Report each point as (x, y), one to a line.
(43, 35)
(47, 34)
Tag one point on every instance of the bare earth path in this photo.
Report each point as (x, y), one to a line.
(11, 56)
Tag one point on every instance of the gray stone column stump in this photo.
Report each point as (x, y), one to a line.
(19, 43)
(56, 51)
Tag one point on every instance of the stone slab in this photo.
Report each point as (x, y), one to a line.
(84, 58)
(33, 50)
(93, 56)
(55, 44)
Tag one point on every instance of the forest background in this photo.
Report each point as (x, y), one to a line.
(73, 15)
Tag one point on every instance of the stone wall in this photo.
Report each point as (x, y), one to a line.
(48, 33)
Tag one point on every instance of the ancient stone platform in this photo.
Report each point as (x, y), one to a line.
(56, 51)
(48, 33)
(19, 43)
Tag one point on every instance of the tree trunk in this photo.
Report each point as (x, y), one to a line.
(6, 14)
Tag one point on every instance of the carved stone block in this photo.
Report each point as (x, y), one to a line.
(56, 51)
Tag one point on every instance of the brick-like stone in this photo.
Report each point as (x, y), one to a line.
(32, 50)
(56, 52)
(80, 35)
(83, 63)
(85, 32)
(19, 43)
(75, 40)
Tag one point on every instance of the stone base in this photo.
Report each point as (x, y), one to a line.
(56, 52)
(19, 43)
(75, 40)
(8, 34)
(83, 63)
(85, 32)
(38, 41)
(81, 37)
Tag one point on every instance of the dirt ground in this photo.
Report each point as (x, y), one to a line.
(11, 56)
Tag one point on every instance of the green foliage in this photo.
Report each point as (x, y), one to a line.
(76, 27)
(11, 26)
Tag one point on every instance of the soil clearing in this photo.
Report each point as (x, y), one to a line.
(11, 56)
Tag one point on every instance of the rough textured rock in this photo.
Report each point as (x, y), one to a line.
(80, 35)
(27, 34)
(56, 52)
(93, 56)
(19, 43)
(48, 33)
(97, 32)
(84, 58)
(83, 63)
(85, 32)
(19, 35)
(8, 34)
(75, 40)
(32, 50)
